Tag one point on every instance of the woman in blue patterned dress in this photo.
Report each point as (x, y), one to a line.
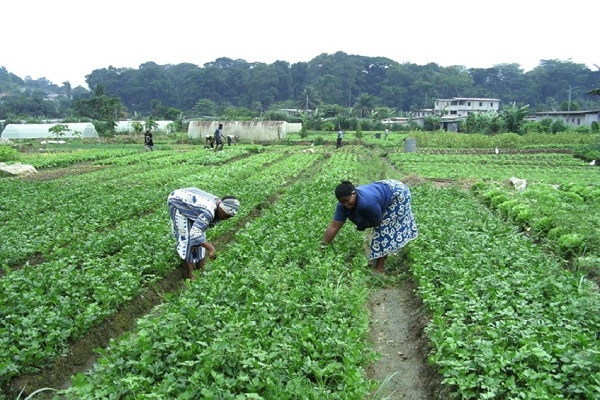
(384, 206)
(192, 212)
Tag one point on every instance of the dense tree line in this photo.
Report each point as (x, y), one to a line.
(334, 83)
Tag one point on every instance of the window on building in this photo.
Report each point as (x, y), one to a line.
(453, 112)
(481, 104)
(578, 121)
(492, 104)
(469, 103)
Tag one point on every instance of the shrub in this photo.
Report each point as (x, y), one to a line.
(498, 199)
(8, 153)
(505, 207)
(543, 225)
(490, 194)
(555, 233)
(570, 244)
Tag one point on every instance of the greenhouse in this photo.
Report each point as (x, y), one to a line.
(127, 126)
(245, 130)
(42, 131)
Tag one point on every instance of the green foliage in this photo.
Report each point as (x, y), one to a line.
(359, 132)
(150, 124)
(513, 117)
(328, 126)
(59, 130)
(570, 244)
(137, 127)
(8, 153)
(304, 128)
(205, 108)
(588, 152)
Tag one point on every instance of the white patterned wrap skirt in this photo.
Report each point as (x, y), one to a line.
(398, 226)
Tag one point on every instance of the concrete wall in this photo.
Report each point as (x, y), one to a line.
(244, 130)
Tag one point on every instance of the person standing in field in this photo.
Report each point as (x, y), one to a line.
(340, 136)
(219, 138)
(192, 212)
(148, 143)
(384, 206)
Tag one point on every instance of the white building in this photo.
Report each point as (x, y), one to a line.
(461, 107)
(571, 118)
(452, 111)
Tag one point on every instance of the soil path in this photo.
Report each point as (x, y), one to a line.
(398, 319)
(396, 330)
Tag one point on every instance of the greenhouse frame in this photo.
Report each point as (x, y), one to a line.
(42, 131)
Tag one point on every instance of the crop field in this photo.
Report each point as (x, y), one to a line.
(93, 303)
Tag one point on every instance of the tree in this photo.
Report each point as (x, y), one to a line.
(364, 105)
(59, 130)
(205, 108)
(513, 117)
(150, 124)
(137, 127)
(309, 99)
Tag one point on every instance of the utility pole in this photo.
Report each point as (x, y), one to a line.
(569, 105)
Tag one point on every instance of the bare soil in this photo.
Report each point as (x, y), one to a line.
(396, 331)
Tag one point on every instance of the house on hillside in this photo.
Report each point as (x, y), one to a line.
(571, 118)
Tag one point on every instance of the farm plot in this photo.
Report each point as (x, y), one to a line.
(559, 206)
(273, 317)
(88, 276)
(507, 320)
(543, 168)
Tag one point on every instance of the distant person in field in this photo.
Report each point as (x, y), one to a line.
(192, 212)
(384, 206)
(340, 136)
(148, 143)
(385, 134)
(219, 138)
(231, 140)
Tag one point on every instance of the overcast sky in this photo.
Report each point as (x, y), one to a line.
(65, 40)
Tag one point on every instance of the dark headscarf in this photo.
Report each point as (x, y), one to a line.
(344, 189)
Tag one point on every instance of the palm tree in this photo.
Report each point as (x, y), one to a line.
(309, 99)
(365, 103)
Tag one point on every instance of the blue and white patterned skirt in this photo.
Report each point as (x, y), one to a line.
(398, 226)
(188, 237)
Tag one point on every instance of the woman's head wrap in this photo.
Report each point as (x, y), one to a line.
(230, 205)
(344, 189)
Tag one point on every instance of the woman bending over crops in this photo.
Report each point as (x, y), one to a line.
(192, 212)
(384, 206)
